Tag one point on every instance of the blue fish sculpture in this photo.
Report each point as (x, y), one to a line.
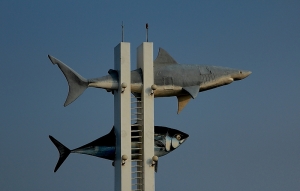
(165, 141)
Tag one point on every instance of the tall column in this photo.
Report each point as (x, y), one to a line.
(122, 118)
(145, 62)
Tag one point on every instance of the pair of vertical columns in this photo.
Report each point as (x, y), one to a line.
(122, 117)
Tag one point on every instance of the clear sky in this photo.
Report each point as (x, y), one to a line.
(244, 136)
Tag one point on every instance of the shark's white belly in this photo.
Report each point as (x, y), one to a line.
(161, 91)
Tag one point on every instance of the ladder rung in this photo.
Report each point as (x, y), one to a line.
(136, 166)
(137, 184)
(136, 136)
(136, 101)
(137, 113)
(137, 178)
(136, 125)
(133, 131)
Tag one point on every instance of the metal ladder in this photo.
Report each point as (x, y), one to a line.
(136, 144)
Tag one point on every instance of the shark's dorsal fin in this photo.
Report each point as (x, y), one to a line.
(192, 90)
(163, 57)
(182, 101)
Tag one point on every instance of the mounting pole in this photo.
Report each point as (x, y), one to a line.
(122, 118)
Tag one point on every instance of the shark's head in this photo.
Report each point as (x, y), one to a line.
(238, 74)
(231, 74)
(219, 76)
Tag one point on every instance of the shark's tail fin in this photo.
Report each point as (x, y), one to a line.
(63, 152)
(77, 83)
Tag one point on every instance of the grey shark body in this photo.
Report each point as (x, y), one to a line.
(165, 141)
(170, 78)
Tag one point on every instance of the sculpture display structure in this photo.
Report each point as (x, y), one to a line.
(170, 79)
(165, 78)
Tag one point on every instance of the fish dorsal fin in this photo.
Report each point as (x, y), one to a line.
(163, 57)
(182, 102)
(192, 90)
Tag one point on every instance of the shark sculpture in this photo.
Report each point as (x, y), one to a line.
(165, 141)
(170, 79)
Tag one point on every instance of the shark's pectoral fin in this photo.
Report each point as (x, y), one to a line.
(182, 101)
(192, 90)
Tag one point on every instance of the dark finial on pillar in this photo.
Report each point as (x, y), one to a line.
(146, 32)
(122, 32)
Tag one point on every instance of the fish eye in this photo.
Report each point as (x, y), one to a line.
(241, 72)
(178, 137)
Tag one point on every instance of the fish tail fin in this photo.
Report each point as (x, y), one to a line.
(77, 83)
(63, 152)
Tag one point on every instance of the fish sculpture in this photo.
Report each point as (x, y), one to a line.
(170, 79)
(165, 141)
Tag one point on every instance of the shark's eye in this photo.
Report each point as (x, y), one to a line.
(241, 72)
(178, 137)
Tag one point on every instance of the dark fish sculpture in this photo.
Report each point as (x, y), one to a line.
(171, 79)
(165, 141)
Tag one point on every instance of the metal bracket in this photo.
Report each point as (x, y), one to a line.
(153, 87)
(123, 85)
(124, 158)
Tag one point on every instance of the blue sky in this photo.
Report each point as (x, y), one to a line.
(244, 136)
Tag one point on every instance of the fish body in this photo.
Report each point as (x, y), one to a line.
(170, 78)
(165, 141)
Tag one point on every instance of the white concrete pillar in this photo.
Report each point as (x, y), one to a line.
(122, 117)
(145, 62)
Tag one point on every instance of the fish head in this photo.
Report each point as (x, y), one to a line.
(168, 139)
(177, 138)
